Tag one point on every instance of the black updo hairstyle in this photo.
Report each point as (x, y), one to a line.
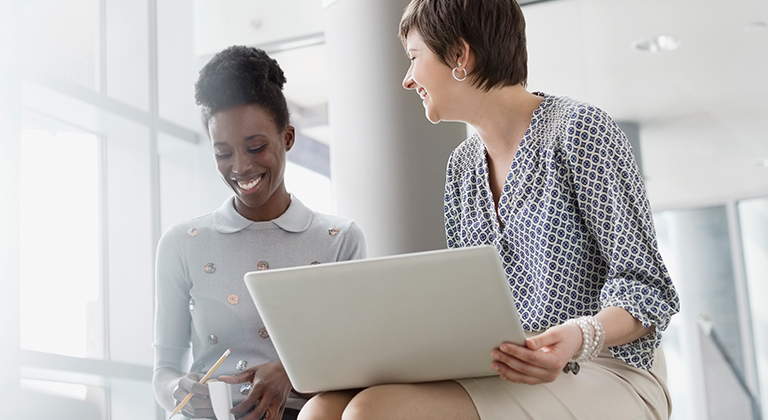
(241, 75)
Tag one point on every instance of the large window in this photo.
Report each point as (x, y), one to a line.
(111, 155)
(709, 348)
(60, 267)
(60, 243)
(753, 215)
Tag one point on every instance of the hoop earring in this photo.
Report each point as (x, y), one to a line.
(453, 72)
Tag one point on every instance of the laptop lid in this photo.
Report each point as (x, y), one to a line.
(417, 317)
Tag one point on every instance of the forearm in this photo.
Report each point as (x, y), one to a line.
(164, 381)
(620, 326)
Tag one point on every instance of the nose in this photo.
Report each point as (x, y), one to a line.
(408, 82)
(241, 163)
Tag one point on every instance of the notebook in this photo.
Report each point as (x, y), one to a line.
(417, 317)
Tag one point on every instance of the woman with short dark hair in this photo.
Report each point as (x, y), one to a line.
(551, 183)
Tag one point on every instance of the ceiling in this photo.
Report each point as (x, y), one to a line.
(702, 108)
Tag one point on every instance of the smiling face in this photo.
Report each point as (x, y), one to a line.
(249, 149)
(431, 79)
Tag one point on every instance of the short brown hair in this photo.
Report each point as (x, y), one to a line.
(494, 29)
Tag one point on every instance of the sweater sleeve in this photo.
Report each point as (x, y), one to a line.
(354, 246)
(172, 303)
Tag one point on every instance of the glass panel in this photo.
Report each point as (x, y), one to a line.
(132, 400)
(127, 52)
(753, 216)
(313, 189)
(69, 401)
(130, 243)
(177, 64)
(179, 180)
(61, 38)
(60, 303)
(74, 391)
(695, 245)
(678, 380)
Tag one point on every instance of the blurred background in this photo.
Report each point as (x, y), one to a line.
(102, 150)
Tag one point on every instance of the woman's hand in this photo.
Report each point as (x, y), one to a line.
(542, 358)
(269, 392)
(200, 404)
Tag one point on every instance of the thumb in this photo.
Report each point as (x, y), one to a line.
(542, 340)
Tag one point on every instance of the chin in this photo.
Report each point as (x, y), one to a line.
(434, 119)
(253, 200)
(249, 200)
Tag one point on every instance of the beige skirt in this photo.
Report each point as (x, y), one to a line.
(605, 388)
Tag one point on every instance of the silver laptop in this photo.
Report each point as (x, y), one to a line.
(417, 317)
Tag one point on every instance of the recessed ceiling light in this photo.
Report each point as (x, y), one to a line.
(756, 27)
(256, 23)
(661, 43)
(763, 163)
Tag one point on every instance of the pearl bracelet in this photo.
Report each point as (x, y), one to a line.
(593, 338)
(599, 338)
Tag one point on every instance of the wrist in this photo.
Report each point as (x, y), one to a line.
(593, 338)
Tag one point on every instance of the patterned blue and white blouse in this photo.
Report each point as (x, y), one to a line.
(577, 234)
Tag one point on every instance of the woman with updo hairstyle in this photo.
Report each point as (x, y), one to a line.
(552, 184)
(201, 300)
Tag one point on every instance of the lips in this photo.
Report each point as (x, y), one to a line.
(422, 93)
(249, 184)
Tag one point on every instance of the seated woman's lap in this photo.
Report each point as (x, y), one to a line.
(604, 388)
(435, 400)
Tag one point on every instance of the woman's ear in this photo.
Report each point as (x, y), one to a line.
(463, 54)
(289, 137)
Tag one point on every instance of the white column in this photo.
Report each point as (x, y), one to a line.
(10, 132)
(387, 161)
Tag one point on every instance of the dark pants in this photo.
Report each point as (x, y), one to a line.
(290, 414)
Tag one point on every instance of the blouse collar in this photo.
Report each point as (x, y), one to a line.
(296, 218)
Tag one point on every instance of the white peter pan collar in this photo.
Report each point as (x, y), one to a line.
(297, 218)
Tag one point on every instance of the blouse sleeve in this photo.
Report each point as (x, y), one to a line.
(612, 203)
(452, 205)
(172, 304)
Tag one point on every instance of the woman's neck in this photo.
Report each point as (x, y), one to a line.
(502, 116)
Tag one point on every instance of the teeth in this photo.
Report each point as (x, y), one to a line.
(249, 185)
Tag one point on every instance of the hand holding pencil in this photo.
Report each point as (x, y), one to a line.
(203, 380)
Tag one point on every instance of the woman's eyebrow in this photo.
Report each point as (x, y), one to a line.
(254, 136)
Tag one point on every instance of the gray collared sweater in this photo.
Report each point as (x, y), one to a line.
(201, 300)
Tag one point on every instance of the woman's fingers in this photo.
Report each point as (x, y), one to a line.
(244, 376)
(250, 408)
(191, 383)
(544, 358)
(541, 359)
(197, 407)
(269, 391)
(275, 411)
(199, 404)
(516, 366)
